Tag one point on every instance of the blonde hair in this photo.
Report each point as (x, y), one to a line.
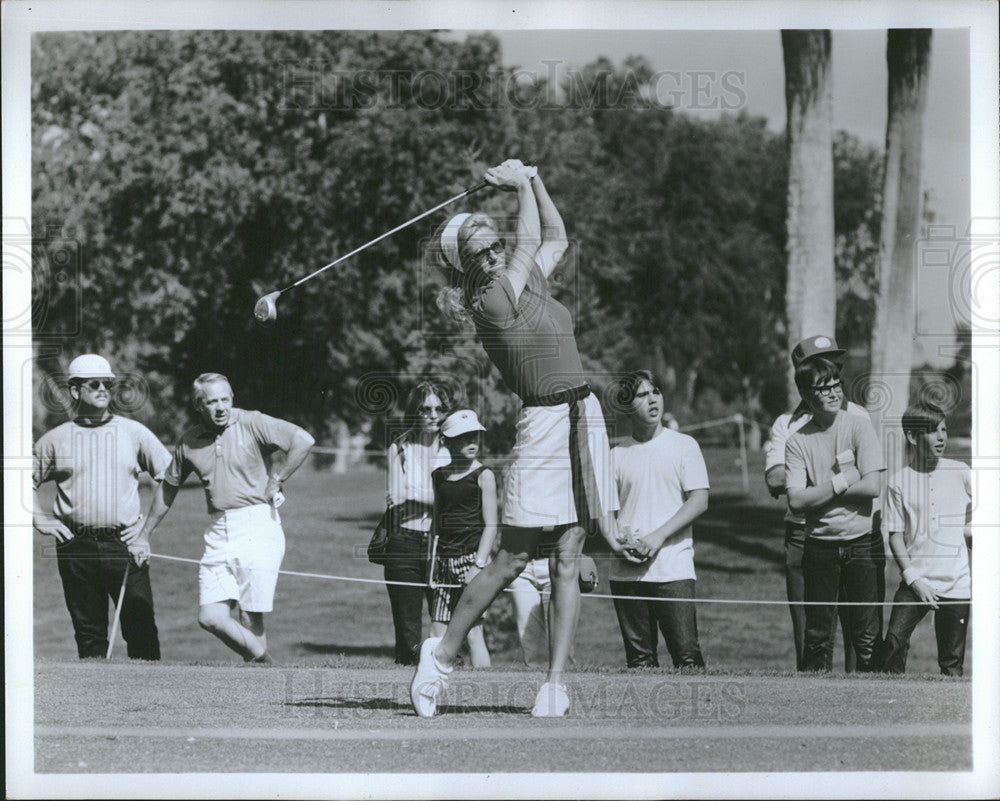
(452, 299)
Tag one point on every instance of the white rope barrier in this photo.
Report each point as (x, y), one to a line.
(750, 601)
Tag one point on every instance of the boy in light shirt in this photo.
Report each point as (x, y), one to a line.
(928, 507)
(663, 486)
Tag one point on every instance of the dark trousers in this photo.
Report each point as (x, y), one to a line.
(92, 568)
(839, 569)
(406, 560)
(795, 540)
(951, 624)
(639, 619)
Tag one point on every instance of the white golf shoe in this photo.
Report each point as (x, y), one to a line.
(430, 678)
(552, 701)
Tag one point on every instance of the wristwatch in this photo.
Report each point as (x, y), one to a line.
(481, 563)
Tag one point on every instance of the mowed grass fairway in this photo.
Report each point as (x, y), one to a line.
(336, 703)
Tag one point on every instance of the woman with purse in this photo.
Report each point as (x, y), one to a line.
(412, 457)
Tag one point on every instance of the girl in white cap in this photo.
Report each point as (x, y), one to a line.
(560, 483)
(464, 526)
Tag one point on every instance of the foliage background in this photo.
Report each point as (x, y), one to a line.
(189, 172)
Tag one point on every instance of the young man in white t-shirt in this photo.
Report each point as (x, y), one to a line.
(928, 507)
(663, 488)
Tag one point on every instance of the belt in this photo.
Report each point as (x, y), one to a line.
(105, 533)
(565, 396)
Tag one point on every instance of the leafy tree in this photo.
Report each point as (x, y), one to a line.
(196, 170)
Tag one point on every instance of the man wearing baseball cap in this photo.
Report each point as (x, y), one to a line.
(795, 524)
(95, 460)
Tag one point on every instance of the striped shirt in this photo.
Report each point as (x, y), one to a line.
(96, 469)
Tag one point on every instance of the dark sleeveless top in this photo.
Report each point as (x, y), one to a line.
(458, 512)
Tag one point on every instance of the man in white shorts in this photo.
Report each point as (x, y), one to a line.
(242, 457)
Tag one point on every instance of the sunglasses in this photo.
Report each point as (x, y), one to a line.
(496, 249)
(829, 390)
(95, 384)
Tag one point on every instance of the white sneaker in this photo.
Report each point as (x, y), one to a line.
(552, 701)
(430, 678)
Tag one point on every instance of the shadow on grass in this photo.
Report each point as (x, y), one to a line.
(392, 705)
(348, 650)
(369, 519)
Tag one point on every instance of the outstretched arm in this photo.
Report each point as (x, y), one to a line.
(512, 178)
(554, 242)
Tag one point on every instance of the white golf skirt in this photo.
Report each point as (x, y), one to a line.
(561, 470)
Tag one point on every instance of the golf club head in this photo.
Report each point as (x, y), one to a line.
(265, 310)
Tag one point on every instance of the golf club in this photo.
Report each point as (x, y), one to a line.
(265, 310)
(118, 612)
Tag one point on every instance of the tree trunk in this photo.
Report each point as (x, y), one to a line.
(810, 293)
(908, 57)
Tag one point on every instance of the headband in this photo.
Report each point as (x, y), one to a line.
(449, 240)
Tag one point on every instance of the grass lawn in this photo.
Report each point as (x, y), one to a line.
(336, 703)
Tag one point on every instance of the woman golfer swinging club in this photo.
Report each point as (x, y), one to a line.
(560, 482)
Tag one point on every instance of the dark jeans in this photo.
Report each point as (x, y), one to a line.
(795, 540)
(406, 560)
(951, 624)
(92, 568)
(639, 619)
(839, 569)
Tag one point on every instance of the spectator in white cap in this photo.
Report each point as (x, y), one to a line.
(95, 460)
(464, 525)
(795, 524)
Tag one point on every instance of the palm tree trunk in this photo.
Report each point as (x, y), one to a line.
(810, 293)
(908, 57)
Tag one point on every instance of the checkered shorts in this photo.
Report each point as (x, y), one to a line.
(449, 570)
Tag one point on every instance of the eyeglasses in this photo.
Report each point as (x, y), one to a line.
(829, 390)
(95, 384)
(429, 410)
(496, 249)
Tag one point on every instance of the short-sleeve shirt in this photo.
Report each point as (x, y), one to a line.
(811, 459)
(652, 479)
(929, 510)
(786, 425)
(96, 469)
(233, 462)
(530, 340)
